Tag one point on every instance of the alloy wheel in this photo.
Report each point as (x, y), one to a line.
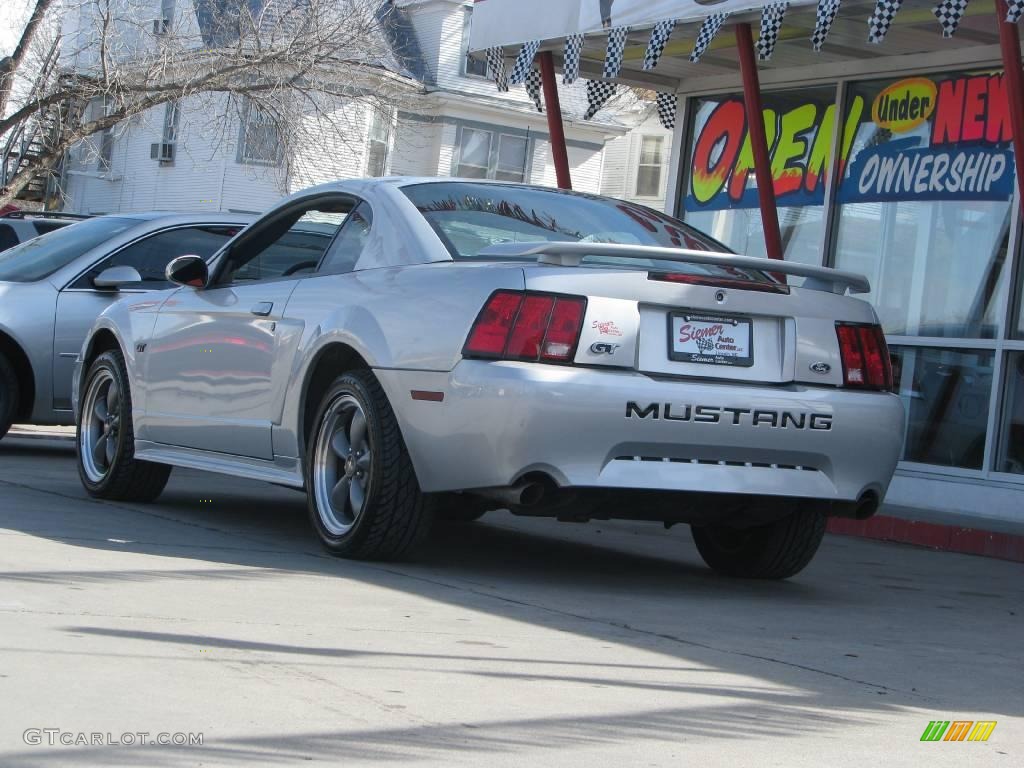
(342, 461)
(101, 421)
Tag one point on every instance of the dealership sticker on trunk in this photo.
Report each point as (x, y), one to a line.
(715, 339)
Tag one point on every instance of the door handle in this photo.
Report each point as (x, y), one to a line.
(262, 308)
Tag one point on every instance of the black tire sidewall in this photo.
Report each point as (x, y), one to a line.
(350, 541)
(114, 362)
(9, 395)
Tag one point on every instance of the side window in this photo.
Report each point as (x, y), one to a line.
(42, 227)
(348, 245)
(290, 243)
(151, 255)
(8, 237)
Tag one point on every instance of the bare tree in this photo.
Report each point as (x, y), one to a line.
(102, 62)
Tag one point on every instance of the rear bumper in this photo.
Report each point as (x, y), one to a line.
(501, 420)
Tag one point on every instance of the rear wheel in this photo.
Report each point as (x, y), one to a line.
(8, 395)
(777, 550)
(364, 499)
(105, 439)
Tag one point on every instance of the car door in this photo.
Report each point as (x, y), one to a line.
(81, 302)
(216, 366)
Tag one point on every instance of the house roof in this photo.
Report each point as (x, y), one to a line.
(219, 22)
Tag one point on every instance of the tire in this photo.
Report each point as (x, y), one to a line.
(105, 417)
(8, 396)
(363, 497)
(777, 550)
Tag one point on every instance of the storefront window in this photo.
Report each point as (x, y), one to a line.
(1011, 443)
(946, 394)
(721, 191)
(925, 201)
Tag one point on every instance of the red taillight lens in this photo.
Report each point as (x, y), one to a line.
(490, 331)
(530, 325)
(865, 356)
(563, 330)
(517, 325)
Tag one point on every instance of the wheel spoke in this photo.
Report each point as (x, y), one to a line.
(356, 495)
(340, 444)
(111, 441)
(99, 450)
(363, 462)
(113, 397)
(357, 429)
(100, 409)
(339, 494)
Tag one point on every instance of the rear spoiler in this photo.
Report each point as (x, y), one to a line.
(571, 253)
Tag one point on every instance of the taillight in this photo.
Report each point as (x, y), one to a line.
(523, 325)
(865, 356)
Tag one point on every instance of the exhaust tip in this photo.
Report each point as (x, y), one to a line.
(867, 506)
(531, 494)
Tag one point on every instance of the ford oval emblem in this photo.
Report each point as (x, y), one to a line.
(821, 367)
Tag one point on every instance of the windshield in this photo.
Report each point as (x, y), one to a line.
(44, 255)
(469, 217)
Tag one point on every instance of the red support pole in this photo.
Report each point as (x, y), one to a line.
(555, 127)
(759, 142)
(1013, 74)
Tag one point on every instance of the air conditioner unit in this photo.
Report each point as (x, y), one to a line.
(162, 151)
(161, 26)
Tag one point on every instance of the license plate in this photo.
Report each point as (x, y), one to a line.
(697, 337)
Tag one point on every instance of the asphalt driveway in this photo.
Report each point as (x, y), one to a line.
(509, 642)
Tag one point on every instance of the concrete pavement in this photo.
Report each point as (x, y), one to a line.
(509, 642)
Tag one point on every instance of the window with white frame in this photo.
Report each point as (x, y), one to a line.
(484, 154)
(377, 143)
(472, 67)
(260, 142)
(648, 172)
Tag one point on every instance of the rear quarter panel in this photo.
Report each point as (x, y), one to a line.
(407, 318)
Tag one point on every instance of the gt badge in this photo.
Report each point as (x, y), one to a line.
(603, 348)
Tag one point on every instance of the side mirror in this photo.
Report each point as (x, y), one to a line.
(117, 277)
(188, 270)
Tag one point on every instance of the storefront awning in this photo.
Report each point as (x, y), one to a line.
(660, 38)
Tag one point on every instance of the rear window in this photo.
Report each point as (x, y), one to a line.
(469, 217)
(44, 255)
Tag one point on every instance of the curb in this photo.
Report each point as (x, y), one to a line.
(947, 538)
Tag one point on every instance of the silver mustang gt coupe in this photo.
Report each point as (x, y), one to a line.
(460, 346)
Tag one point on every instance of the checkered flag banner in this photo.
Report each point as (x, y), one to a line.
(598, 92)
(533, 88)
(706, 34)
(613, 56)
(881, 19)
(771, 23)
(524, 61)
(496, 67)
(667, 109)
(827, 10)
(571, 60)
(1016, 10)
(659, 38)
(949, 13)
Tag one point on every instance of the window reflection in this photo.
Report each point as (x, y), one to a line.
(946, 393)
(1011, 450)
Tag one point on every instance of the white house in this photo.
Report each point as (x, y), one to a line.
(456, 123)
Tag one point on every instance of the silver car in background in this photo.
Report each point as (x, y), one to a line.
(54, 286)
(461, 346)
